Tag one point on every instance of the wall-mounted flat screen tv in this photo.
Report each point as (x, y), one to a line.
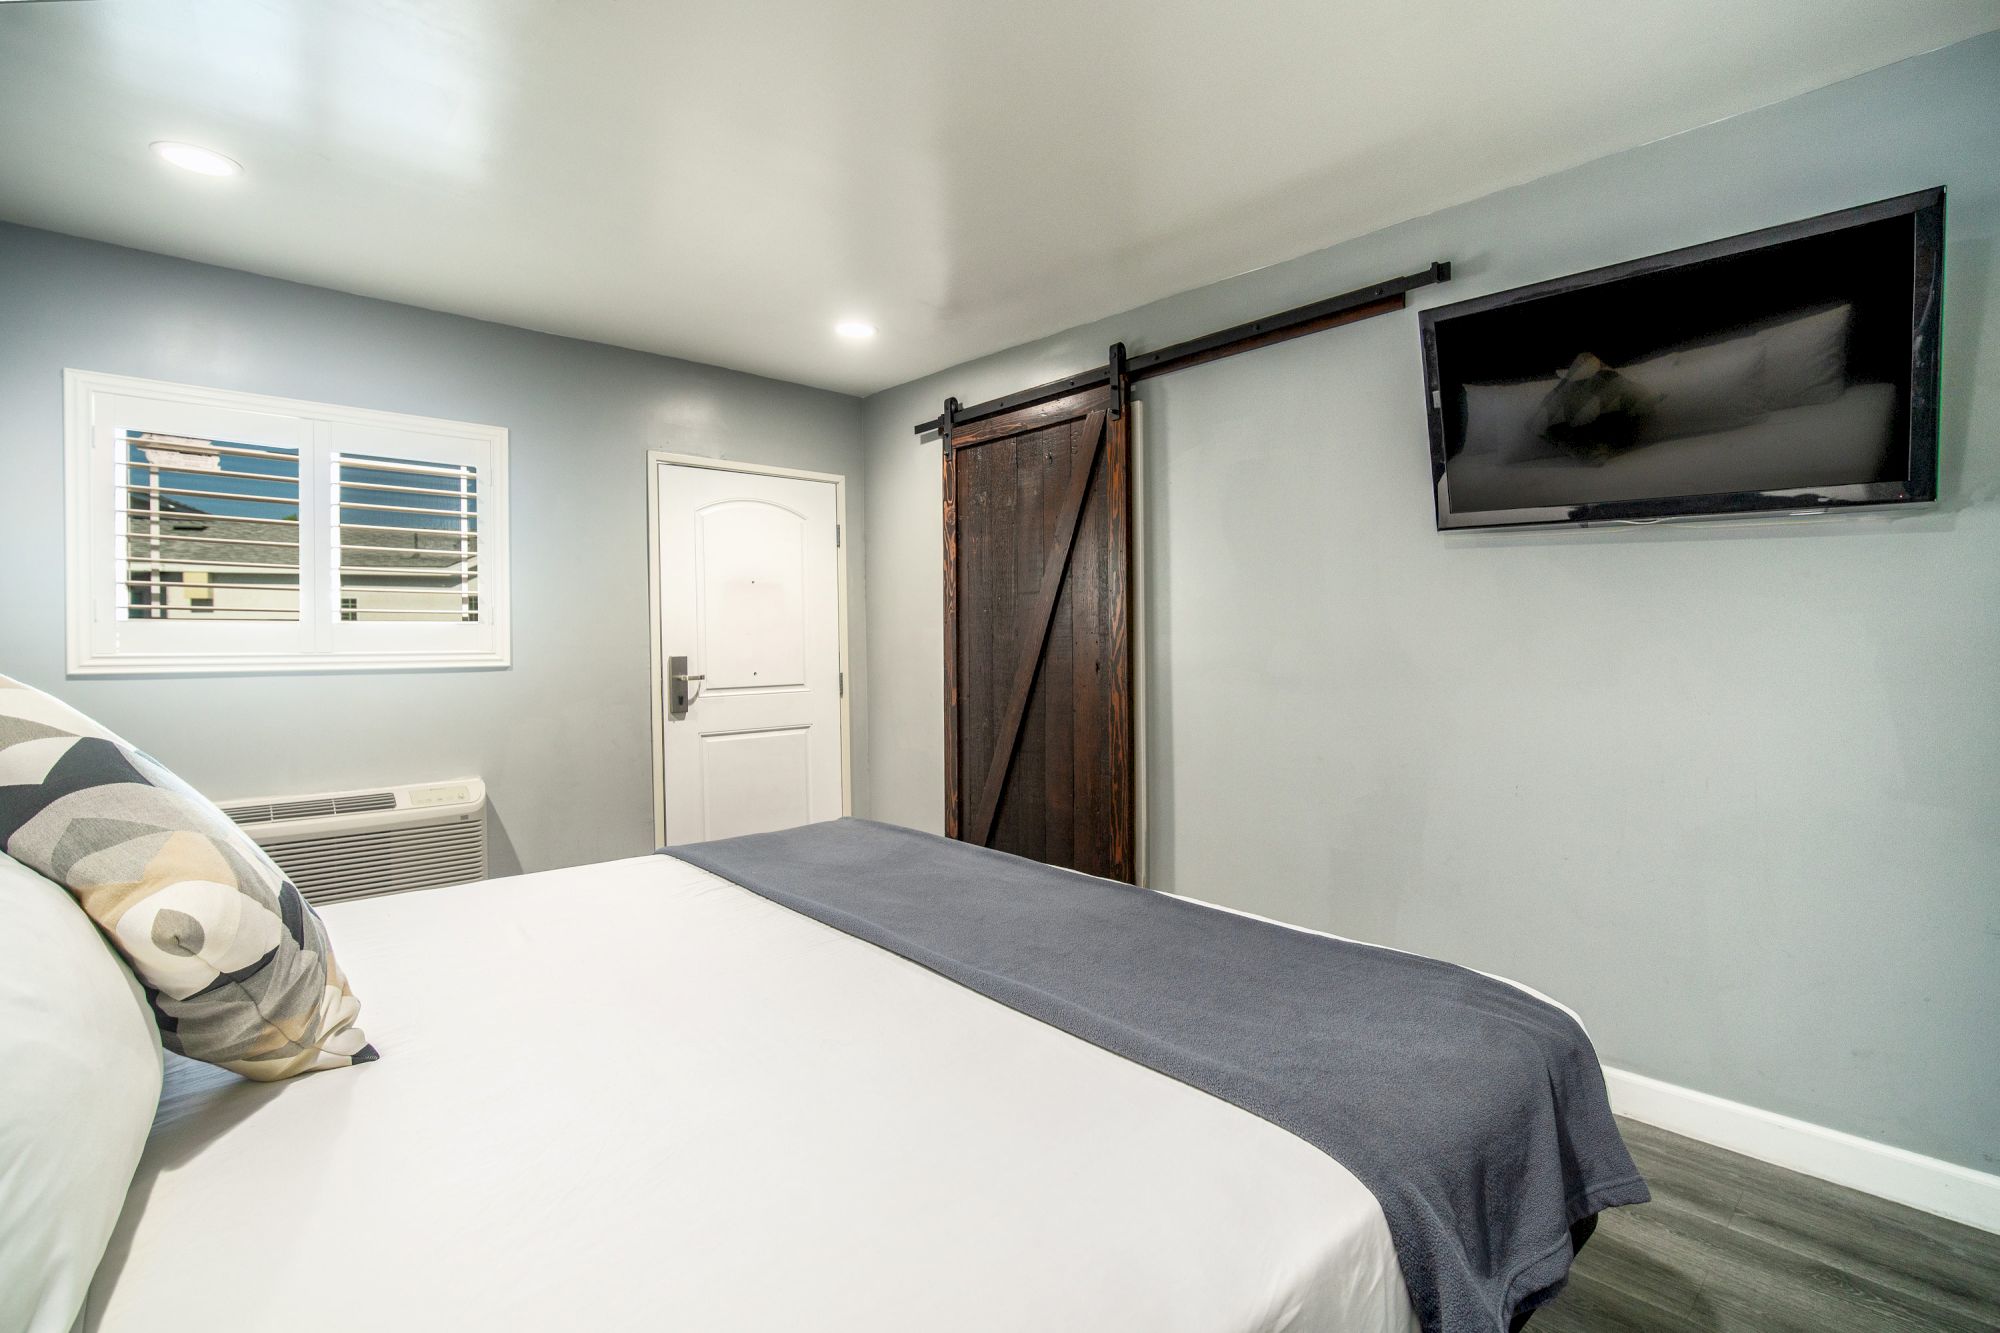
(1792, 370)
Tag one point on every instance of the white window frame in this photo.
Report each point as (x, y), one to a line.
(96, 406)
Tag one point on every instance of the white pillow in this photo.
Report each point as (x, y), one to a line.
(80, 1060)
(1703, 389)
(1497, 417)
(1805, 359)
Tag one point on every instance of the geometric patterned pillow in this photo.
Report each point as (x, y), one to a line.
(236, 964)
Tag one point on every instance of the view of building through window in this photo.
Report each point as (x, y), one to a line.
(212, 532)
(211, 529)
(407, 539)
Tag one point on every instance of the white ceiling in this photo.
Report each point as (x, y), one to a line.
(723, 180)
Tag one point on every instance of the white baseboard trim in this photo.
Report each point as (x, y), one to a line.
(1944, 1188)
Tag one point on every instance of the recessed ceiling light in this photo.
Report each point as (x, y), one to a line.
(204, 160)
(855, 330)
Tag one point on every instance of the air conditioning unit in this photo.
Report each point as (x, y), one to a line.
(357, 844)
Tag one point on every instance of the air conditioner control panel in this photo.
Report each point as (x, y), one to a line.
(449, 793)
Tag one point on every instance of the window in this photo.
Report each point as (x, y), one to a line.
(212, 530)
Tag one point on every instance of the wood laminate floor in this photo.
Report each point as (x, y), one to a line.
(1730, 1243)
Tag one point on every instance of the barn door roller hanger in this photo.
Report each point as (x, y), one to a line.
(1120, 371)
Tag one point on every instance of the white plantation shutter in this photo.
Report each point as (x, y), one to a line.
(417, 540)
(407, 539)
(216, 530)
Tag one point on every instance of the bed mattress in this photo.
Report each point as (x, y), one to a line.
(636, 1096)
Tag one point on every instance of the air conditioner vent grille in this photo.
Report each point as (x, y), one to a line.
(337, 866)
(355, 844)
(310, 807)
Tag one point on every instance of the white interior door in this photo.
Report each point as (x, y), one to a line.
(750, 595)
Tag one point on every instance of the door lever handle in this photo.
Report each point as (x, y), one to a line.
(679, 699)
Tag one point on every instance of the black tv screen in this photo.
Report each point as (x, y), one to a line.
(1792, 370)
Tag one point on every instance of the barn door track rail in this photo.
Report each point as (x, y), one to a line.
(1121, 371)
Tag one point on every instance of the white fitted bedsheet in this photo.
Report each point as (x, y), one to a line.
(636, 1096)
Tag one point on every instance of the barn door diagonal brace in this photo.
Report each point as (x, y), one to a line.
(1054, 570)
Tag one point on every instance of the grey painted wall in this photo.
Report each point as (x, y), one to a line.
(563, 738)
(1734, 792)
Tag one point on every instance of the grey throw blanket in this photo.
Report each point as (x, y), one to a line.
(1474, 1112)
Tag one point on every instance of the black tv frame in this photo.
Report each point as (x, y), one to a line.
(1926, 207)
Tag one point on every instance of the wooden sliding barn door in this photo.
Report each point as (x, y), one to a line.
(1038, 671)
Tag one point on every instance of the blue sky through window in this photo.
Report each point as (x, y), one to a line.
(455, 498)
(269, 486)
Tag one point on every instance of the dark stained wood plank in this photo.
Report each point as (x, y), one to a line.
(1121, 760)
(979, 530)
(1028, 649)
(1055, 709)
(1088, 819)
(1018, 818)
(1040, 416)
(951, 699)
(997, 623)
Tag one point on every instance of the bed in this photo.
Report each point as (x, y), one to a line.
(640, 1094)
(842, 1077)
(635, 1095)
(848, 1076)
